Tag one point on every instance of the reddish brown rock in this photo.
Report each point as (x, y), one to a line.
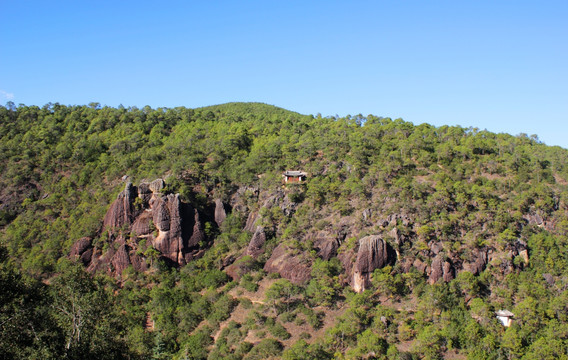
(326, 248)
(120, 260)
(420, 265)
(435, 247)
(142, 223)
(82, 250)
(144, 193)
(167, 219)
(441, 269)
(81, 246)
(197, 232)
(228, 261)
(138, 262)
(194, 254)
(293, 267)
(241, 266)
(374, 253)
(173, 228)
(121, 211)
(256, 244)
(161, 214)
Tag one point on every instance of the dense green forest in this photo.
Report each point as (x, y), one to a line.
(474, 222)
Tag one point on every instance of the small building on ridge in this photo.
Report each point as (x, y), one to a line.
(291, 176)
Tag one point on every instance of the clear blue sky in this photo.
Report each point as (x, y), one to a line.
(495, 65)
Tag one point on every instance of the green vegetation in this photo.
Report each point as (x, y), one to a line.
(460, 191)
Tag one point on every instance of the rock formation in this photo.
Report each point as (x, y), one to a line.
(164, 222)
(256, 244)
(220, 213)
(326, 248)
(83, 250)
(441, 269)
(121, 211)
(374, 253)
(289, 265)
(478, 262)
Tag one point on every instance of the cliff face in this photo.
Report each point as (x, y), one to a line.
(142, 218)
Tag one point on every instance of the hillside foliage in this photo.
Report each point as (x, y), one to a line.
(463, 189)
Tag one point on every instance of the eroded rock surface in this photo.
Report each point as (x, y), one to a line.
(374, 253)
(83, 250)
(157, 220)
(256, 244)
(441, 269)
(121, 211)
(289, 265)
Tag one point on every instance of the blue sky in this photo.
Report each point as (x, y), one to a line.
(495, 65)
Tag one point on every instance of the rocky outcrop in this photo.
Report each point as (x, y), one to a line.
(167, 219)
(477, 263)
(83, 250)
(326, 248)
(256, 244)
(164, 222)
(504, 259)
(197, 229)
(121, 211)
(236, 267)
(252, 218)
(157, 186)
(144, 225)
(374, 253)
(441, 269)
(121, 259)
(220, 213)
(291, 266)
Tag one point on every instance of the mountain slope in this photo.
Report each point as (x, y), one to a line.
(411, 236)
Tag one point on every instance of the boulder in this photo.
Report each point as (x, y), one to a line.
(420, 265)
(441, 269)
(549, 279)
(326, 248)
(436, 247)
(366, 214)
(289, 265)
(82, 250)
(374, 253)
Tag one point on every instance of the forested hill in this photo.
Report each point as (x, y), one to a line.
(401, 243)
